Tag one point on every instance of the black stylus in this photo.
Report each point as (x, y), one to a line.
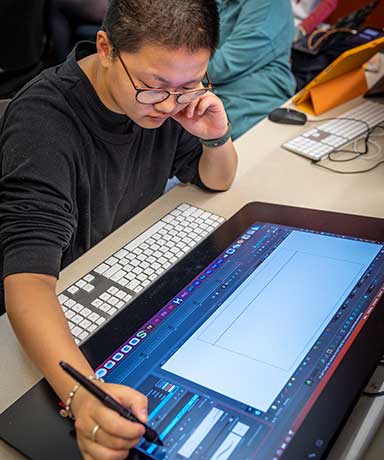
(150, 434)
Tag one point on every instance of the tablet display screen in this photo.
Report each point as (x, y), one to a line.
(234, 362)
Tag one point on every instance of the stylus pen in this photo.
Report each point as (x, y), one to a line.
(150, 434)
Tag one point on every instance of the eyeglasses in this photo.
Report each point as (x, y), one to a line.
(155, 96)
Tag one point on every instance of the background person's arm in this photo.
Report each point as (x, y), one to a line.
(261, 31)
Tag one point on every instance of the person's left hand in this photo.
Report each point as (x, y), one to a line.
(204, 118)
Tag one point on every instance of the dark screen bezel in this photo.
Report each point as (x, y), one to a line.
(357, 371)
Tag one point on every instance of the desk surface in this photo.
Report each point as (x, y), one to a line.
(266, 173)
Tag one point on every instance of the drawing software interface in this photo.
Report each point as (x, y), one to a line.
(232, 364)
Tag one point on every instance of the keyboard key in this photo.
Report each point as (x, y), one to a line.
(76, 331)
(85, 323)
(89, 287)
(73, 289)
(133, 284)
(77, 307)
(101, 268)
(112, 311)
(120, 254)
(117, 276)
(113, 301)
(77, 319)
(111, 261)
(89, 278)
(85, 312)
(120, 304)
(114, 269)
(70, 303)
(120, 294)
(97, 302)
(62, 298)
(69, 314)
(83, 335)
(105, 307)
(93, 317)
(92, 327)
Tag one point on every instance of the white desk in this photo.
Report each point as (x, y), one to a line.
(266, 173)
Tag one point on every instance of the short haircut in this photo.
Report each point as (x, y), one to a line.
(190, 24)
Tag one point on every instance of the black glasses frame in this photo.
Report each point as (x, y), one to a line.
(167, 93)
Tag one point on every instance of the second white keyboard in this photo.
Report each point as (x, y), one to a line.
(332, 135)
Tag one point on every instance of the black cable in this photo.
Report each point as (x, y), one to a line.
(316, 163)
(378, 394)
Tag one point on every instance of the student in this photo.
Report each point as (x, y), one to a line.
(251, 69)
(310, 13)
(84, 147)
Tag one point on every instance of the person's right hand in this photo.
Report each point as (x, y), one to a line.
(115, 435)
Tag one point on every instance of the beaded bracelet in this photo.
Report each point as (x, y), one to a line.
(66, 411)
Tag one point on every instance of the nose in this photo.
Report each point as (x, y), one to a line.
(168, 106)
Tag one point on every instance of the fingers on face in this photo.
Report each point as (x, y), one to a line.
(190, 108)
(209, 101)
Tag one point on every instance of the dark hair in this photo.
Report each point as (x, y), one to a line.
(190, 24)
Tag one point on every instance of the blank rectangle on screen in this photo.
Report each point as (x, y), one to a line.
(290, 309)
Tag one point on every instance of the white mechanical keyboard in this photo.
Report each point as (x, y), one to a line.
(335, 134)
(113, 284)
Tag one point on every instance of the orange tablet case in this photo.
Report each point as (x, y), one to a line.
(342, 80)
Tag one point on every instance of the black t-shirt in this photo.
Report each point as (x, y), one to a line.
(72, 171)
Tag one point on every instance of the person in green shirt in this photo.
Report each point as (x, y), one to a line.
(251, 69)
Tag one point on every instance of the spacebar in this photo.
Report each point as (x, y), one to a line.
(144, 236)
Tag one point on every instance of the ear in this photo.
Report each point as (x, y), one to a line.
(104, 48)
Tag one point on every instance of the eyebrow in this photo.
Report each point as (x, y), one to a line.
(165, 81)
